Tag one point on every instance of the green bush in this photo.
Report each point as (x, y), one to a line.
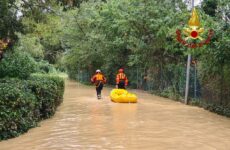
(25, 102)
(169, 92)
(17, 108)
(17, 64)
(223, 110)
(219, 109)
(45, 67)
(49, 90)
(30, 44)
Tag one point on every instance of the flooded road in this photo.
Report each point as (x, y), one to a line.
(84, 123)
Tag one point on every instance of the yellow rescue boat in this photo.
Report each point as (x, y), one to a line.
(122, 96)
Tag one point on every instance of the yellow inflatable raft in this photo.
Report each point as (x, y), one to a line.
(122, 96)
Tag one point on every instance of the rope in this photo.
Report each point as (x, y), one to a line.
(98, 84)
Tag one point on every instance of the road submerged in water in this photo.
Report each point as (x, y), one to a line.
(84, 123)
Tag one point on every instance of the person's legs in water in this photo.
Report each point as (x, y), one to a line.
(99, 89)
(121, 85)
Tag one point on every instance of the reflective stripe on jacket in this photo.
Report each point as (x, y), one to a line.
(98, 77)
(121, 77)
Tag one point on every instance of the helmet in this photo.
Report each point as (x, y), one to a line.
(97, 71)
(121, 70)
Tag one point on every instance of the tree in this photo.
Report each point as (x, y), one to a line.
(122, 33)
(209, 7)
(8, 19)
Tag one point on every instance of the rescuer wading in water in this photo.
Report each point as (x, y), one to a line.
(121, 79)
(99, 80)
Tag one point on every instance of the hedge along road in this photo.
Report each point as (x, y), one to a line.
(83, 122)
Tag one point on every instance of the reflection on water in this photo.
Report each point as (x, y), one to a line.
(123, 115)
(83, 122)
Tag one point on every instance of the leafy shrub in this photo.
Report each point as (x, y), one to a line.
(49, 90)
(170, 93)
(25, 102)
(17, 108)
(17, 64)
(31, 45)
(219, 109)
(45, 67)
(196, 102)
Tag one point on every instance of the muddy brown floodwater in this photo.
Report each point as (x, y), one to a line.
(84, 123)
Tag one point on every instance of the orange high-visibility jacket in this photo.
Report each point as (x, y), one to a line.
(98, 77)
(121, 77)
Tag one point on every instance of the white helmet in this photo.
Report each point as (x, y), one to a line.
(97, 71)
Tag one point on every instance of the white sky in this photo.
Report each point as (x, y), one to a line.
(197, 2)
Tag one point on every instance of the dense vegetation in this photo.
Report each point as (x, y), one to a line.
(79, 36)
(28, 93)
(30, 89)
(139, 36)
(25, 102)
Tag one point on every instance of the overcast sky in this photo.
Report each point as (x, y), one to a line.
(196, 2)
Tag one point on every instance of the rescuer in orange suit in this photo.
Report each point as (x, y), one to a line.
(99, 80)
(121, 79)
